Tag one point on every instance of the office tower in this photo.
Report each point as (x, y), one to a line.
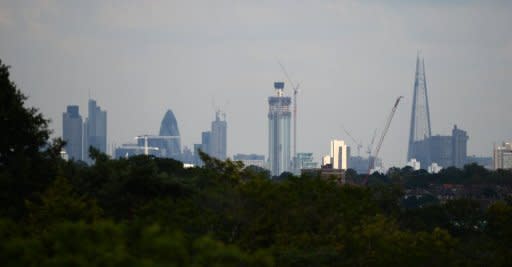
(339, 154)
(502, 156)
(95, 129)
(441, 148)
(420, 131)
(218, 137)
(169, 137)
(279, 116)
(205, 142)
(459, 147)
(72, 132)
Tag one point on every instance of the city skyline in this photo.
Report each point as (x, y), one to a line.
(139, 62)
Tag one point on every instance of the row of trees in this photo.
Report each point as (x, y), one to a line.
(146, 211)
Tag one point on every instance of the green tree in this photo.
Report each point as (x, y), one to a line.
(27, 161)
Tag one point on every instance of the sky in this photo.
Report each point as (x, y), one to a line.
(351, 58)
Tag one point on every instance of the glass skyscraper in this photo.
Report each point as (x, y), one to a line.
(172, 144)
(218, 138)
(72, 132)
(279, 116)
(95, 129)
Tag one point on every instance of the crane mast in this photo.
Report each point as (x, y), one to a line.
(381, 140)
(295, 92)
(358, 144)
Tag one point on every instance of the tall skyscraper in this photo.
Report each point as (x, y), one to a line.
(72, 132)
(420, 131)
(95, 129)
(218, 138)
(205, 142)
(170, 136)
(279, 116)
(459, 147)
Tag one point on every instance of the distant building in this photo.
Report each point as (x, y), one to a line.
(130, 150)
(205, 142)
(414, 164)
(434, 168)
(218, 138)
(420, 130)
(279, 116)
(359, 164)
(251, 159)
(339, 154)
(440, 151)
(306, 161)
(95, 129)
(187, 156)
(445, 150)
(170, 141)
(72, 132)
(482, 161)
(502, 156)
(459, 147)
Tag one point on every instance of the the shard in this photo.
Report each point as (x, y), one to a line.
(420, 131)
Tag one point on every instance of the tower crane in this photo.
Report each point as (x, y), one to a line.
(358, 144)
(370, 146)
(381, 140)
(295, 92)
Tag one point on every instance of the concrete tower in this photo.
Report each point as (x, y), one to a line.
(279, 117)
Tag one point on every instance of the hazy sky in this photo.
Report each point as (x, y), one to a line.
(352, 58)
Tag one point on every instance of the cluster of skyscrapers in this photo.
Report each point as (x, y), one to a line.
(425, 150)
(80, 135)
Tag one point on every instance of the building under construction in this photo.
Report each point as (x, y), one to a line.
(279, 117)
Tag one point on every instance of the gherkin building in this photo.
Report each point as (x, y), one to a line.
(172, 144)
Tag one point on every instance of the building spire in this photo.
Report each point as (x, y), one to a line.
(420, 129)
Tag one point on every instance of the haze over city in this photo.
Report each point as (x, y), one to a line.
(352, 59)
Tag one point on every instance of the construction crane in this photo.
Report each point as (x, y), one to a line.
(358, 144)
(145, 137)
(381, 140)
(370, 146)
(295, 92)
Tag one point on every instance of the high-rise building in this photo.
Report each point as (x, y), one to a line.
(218, 137)
(502, 156)
(170, 141)
(420, 130)
(279, 116)
(441, 148)
(205, 142)
(72, 132)
(95, 129)
(339, 154)
(459, 147)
